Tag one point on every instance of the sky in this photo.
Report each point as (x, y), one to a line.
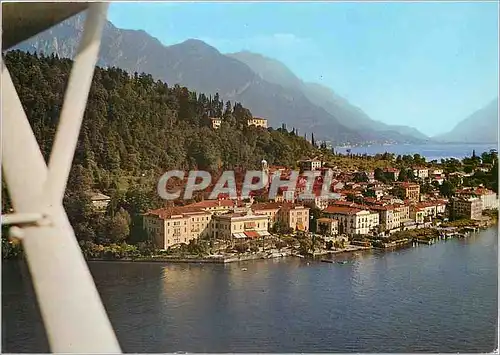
(427, 65)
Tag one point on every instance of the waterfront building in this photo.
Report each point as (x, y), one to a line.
(327, 226)
(244, 225)
(352, 220)
(269, 209)
(417, 214)
(174, 225)
(391, 217)
(488, 198)
(470, 208)
(294, 216)
(215, 206)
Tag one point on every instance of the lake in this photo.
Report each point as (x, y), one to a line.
(438, 298)
(429, 151)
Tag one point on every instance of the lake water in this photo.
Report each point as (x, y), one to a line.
(429, 151)
(438, 298)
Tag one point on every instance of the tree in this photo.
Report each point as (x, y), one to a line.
(118, 226)
(379, 175)
(447, 189)
(315, 213)
(305, 246)
(403, 175)
(360, 177)
(241, 248)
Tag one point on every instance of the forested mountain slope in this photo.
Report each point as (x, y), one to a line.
(134, 130)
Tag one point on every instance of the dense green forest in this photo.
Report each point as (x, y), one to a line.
(134, 130)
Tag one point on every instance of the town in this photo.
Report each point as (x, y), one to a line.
(372, 208)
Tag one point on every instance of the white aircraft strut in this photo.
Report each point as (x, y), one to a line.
(74, 317)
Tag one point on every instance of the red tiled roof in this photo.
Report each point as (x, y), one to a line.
(342, 210)
(168, 212)
(213, 203)
(266, 206)
(289, 205)
(383, 207)
(483, 191)
(347, 204)
(326, 220)
(408, 185)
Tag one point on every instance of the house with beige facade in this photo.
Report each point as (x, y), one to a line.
(175, 225)
(469, 208)
(294, 216)
(269, 209)
(392, 216)
(417, 214)
(244, 225)
(408, 191)
(327, 226)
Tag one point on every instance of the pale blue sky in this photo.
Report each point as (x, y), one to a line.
(426, 65)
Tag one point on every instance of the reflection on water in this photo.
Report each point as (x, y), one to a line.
(438, 298)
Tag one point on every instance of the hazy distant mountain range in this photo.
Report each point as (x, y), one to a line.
(479, 127)
(265, 86)
(347, 114)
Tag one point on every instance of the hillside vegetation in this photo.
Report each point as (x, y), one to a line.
(134, 130)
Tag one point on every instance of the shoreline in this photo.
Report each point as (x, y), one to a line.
(388, 247)
(199, 260)
(444, 234)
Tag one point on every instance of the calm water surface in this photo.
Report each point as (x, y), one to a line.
(439, 298)
(429, 151)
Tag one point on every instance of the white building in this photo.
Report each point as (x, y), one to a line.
(488, 198)
(421, 172)
(310, 164)
(353, 220)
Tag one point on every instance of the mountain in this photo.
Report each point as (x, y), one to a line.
(199, 67)
(347, 114)
(480, 127)
(204, 69)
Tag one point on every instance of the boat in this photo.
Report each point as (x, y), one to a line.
(342, 262)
